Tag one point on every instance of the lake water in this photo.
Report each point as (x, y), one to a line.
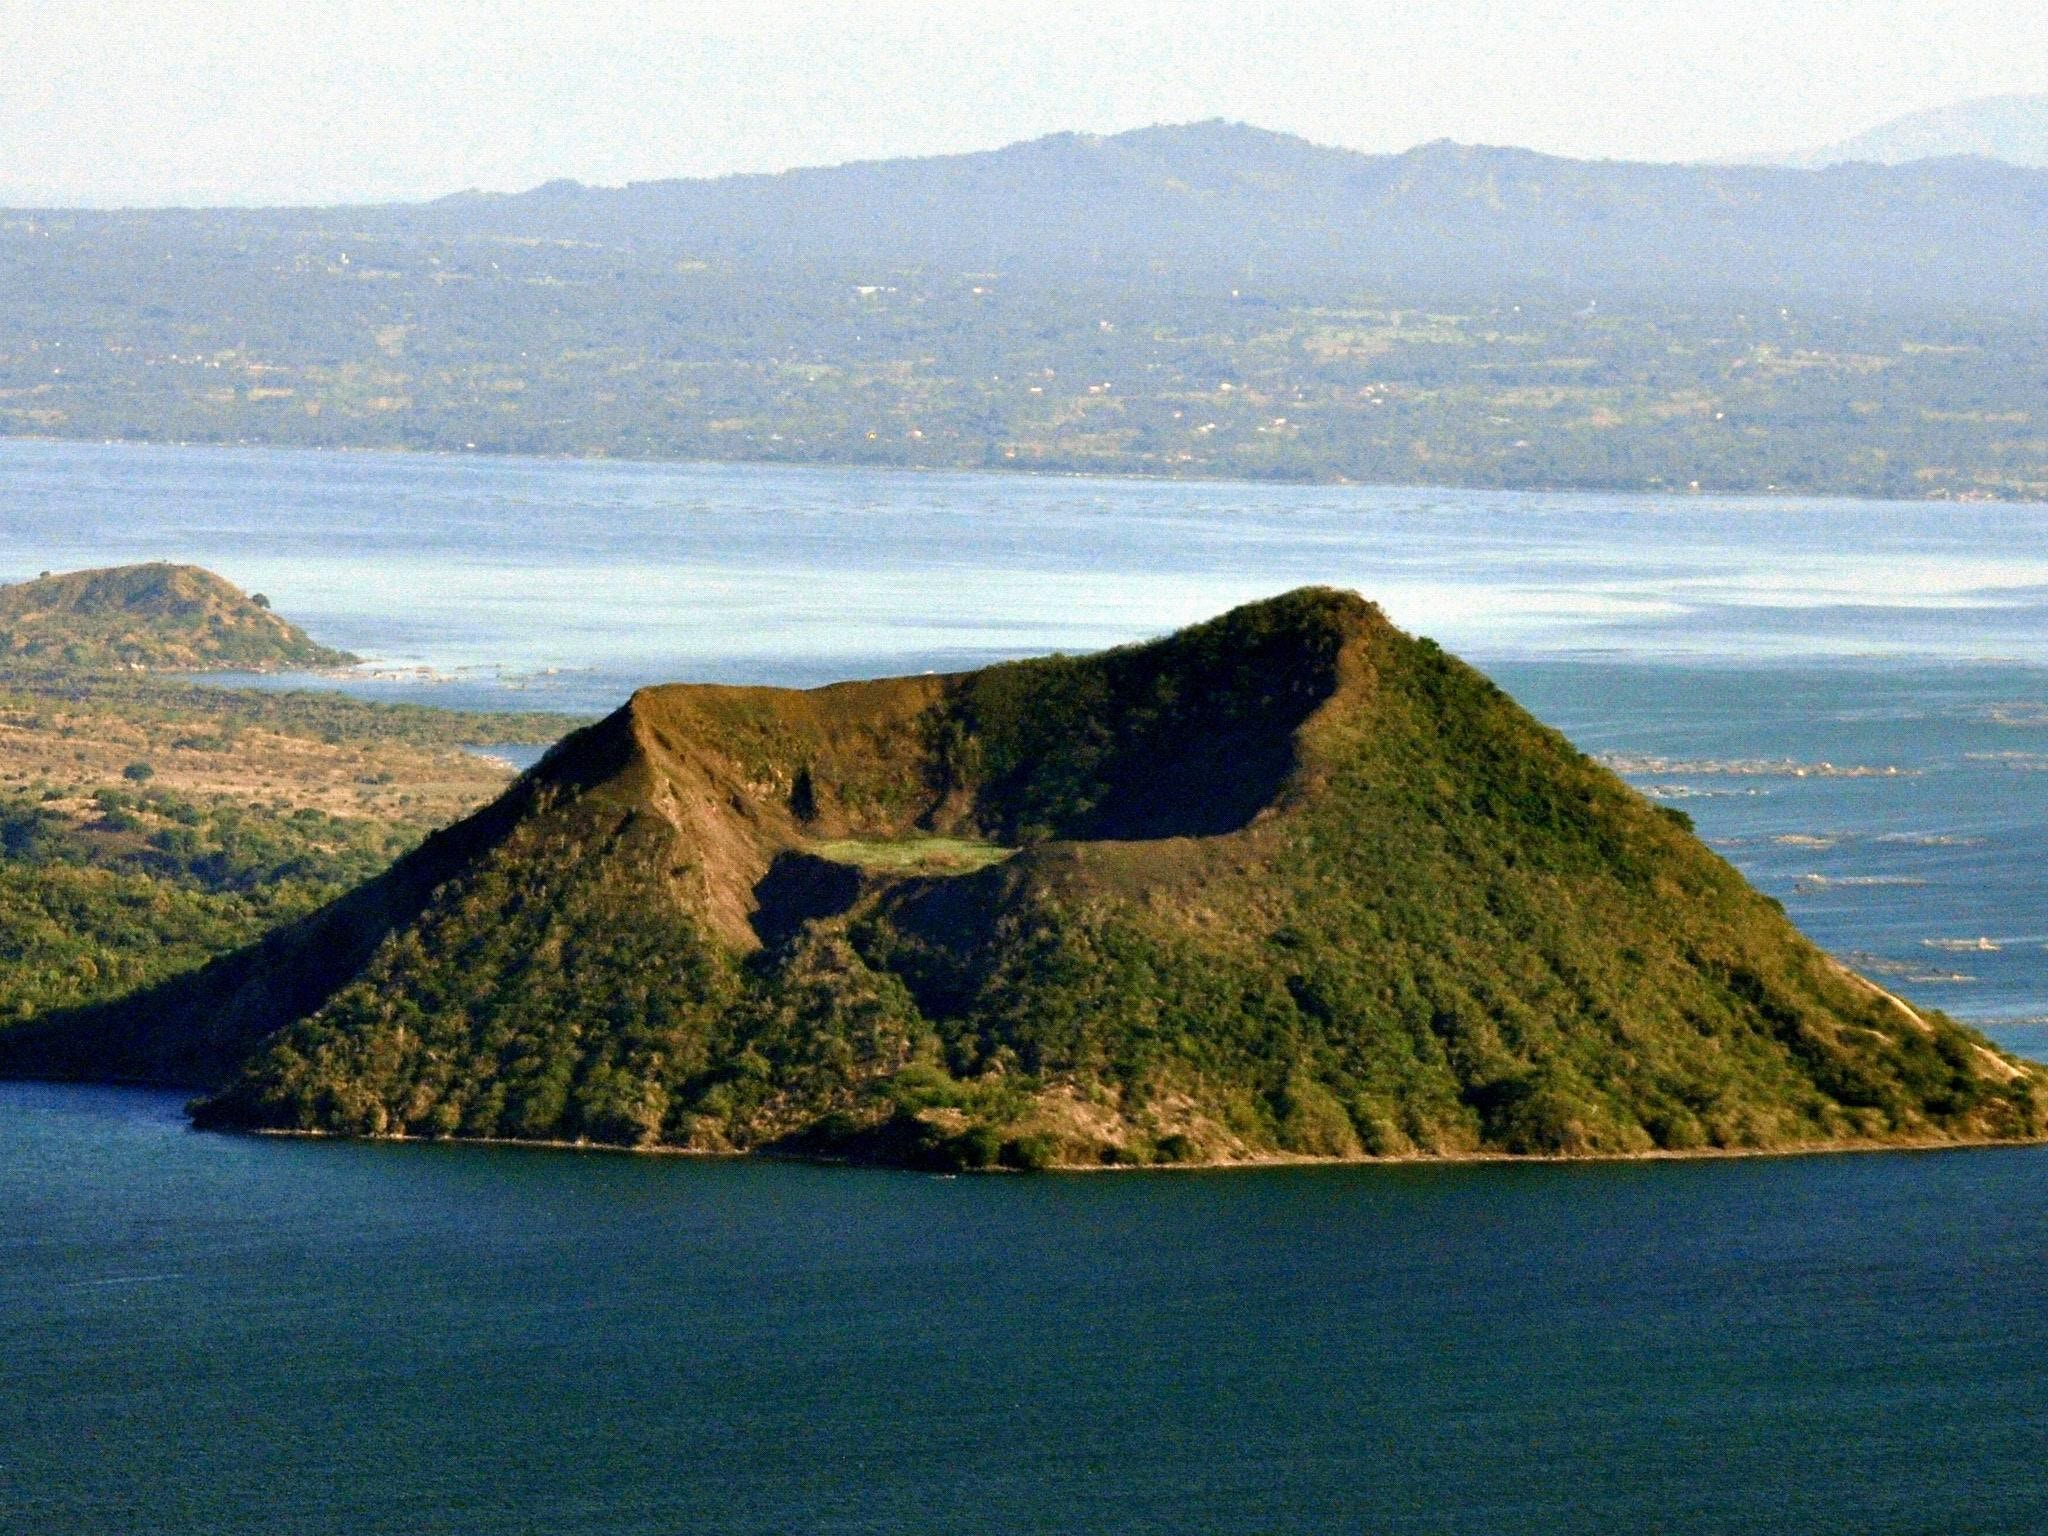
(201, 1333)
(227, 1335)
(567, 583)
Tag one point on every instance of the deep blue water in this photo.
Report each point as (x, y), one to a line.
(209, 1333)
(203, 1333)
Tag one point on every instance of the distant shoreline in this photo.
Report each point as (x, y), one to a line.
(999, 472)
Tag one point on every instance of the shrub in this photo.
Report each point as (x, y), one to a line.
(1031, 1152)
(979, 1146)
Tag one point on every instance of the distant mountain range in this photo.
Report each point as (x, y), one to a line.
(1216, 201)
(1219, 202)
(1209, 299)
(2013, 129)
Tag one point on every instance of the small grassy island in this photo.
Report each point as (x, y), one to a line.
(1290, 883)
(156, 617)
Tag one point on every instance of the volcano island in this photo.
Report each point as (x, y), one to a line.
(1287, 884)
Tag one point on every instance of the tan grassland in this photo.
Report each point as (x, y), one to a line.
(77, 750)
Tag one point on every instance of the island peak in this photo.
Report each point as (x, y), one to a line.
(157, 616)
(1288, 883)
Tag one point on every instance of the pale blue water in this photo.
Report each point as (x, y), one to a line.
(201, 1333)
(496, 570)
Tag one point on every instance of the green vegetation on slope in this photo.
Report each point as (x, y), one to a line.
(149, 825)
(130, 889)
(1289, 883)
(158, 617)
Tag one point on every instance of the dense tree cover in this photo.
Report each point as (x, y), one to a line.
(1203, 305)
(1438, 929)
(132, 888)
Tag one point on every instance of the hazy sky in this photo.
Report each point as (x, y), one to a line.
(240, 101)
